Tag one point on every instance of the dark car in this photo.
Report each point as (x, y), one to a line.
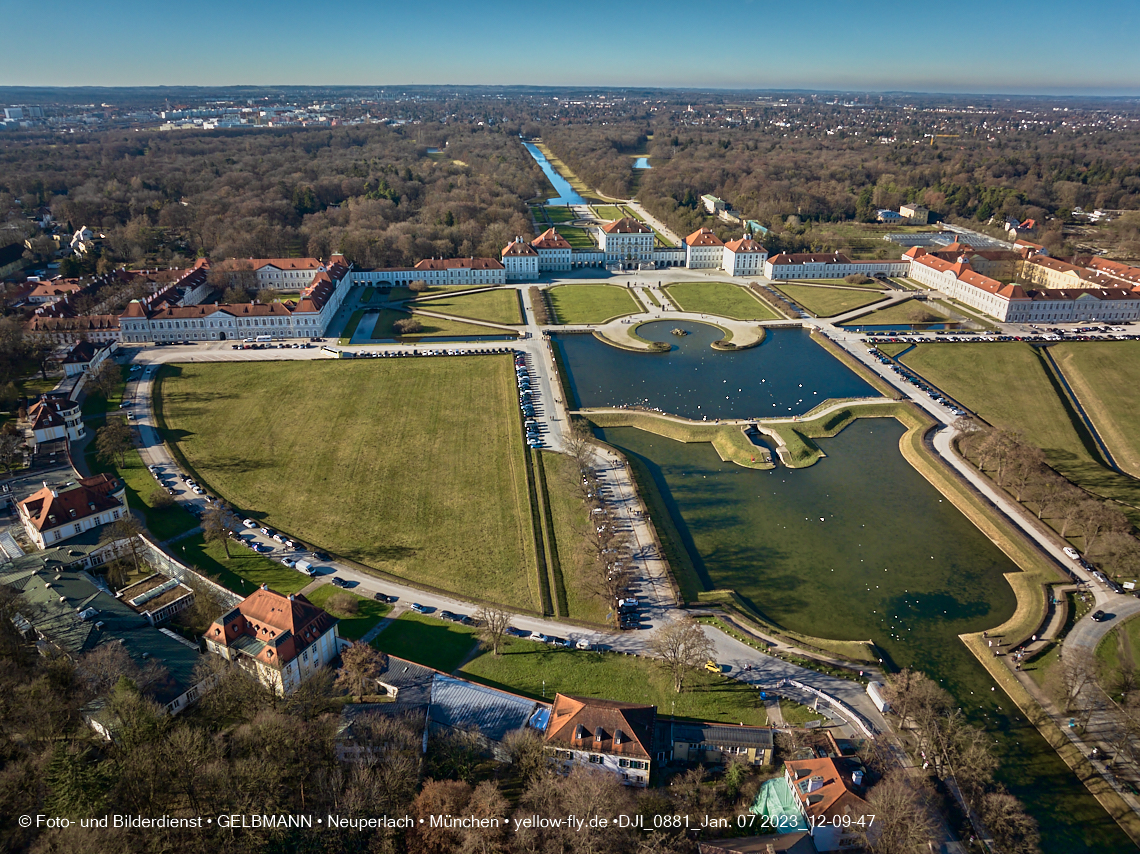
(321, 556)
(447, 615)
(1100, 616)
(337, 581)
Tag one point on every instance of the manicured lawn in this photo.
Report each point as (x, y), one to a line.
(411, 466)
(608, 213)
(433, 327)
(903, 313)
(893, 349)
(720, 298)
(558, 213)
(369, 292)
(1007, 385)
(840, 283)
(244, 572)
(578, 238)
(163, 523)
(796, 715)
(352, 626)
(526, 666)
(571, 517)
(828, 302)
(591, 303)
(1105, 376)
(494, 306)
(428, 641)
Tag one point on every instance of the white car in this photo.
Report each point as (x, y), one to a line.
(249, 523)
(1072, 553)
(289, 563)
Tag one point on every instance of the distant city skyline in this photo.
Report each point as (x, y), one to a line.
(967, 47)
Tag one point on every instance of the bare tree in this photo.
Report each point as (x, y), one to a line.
(359, 663)
(106, 379)
(127, 528)
(11, 450)
(493, 624)
(1097, 518)
(112, 441)
(1071, 675)
(681, 644)
(417, 286)
(407, 326)
(1013, 829)
(904, 815)
(217, 522)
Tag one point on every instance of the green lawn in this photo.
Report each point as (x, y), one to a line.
(1105, 375)
(526, 666)
(1120, 646)
(558, 213)
(411, 466)
(244, 572)
(903, 313)
(369, 612)
(795, 714)
(591, 303)
(1007, 385)
(828, 302)
(369, 292)
(720, 298)
(350, 327)
(571, 519)
(163, 523)
(501, 306)
(608, 213)
(578, 238)
(874, 284)
(433, 327)
(428, 641)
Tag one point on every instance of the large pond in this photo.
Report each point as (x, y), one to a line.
(641, 163)
(787, 374)
(858, 546)
(566, 194)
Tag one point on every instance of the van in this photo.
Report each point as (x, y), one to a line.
(305, 567)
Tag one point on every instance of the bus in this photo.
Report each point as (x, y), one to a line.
(263, 339)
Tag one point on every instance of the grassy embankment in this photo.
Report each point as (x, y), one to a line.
(355, 625)
(721, 299)
(1017, 391)
(433, 327)
(728, 440)
(1100, 373)
(828, 302)
(903, 313)
(574, 304)
(437, 496)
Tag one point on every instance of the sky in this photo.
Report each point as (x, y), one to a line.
(976, 46)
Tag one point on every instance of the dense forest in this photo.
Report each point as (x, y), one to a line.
(771, 175)
(372, 192)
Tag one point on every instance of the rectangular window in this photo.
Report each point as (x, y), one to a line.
(596, 759)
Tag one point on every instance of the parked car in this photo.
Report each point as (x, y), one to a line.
(249, 523)
(447, 615)
(420, 609)
(1100, 616)
(1072, 553)
(289, 563)
(540, 637)
(337, 581)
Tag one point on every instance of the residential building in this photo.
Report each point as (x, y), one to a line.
(604, 735)
(472, 271)
(1127, 275)
(703, 250)
(46, 293)
(55, 417)
(100, 328)
(915, 214)
(826, 795)
(280, 640)
(626, 242)
(520, 261)
(716, 744)
(78, 359)
(828, 265)
(893, 217)
(744, 257)
(51, 516)
(283, 274)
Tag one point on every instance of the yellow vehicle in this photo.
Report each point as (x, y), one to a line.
(712, 666)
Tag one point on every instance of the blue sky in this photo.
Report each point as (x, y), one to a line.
(968, 46)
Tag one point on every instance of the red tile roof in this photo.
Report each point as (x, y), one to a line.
(626, 225)
(703, 237)
(458, 264)
(518, 248)
(551, 239)
(810, 258)
(830, 797)
(744, 244)
(286, 625)
(48, 509)
(626, 729)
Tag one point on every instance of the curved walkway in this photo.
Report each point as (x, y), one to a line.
(620, 331)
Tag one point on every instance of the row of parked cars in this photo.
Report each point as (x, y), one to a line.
(527, 400)
(918, 382)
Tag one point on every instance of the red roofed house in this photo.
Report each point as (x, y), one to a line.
(627, 242)
(49, 292)
(703, 250)
(51, 516)
(281, 640)
(604, 735)
(828, 265)
(285, 274)
(744, 257)
(520, 260)
(826, 798)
